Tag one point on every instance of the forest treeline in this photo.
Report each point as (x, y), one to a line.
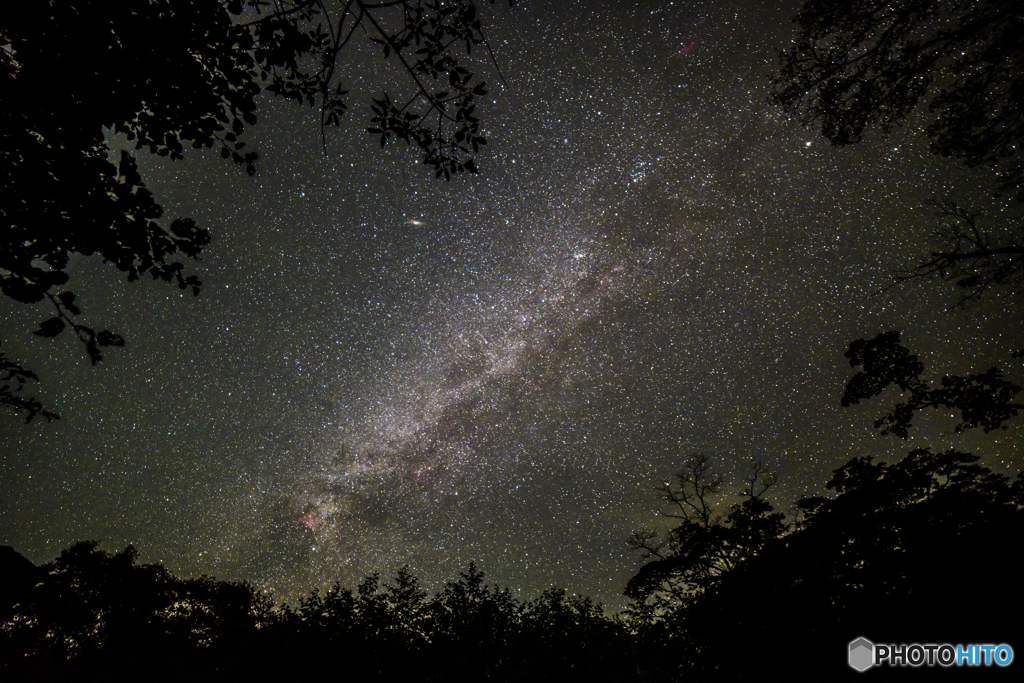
(923, 550)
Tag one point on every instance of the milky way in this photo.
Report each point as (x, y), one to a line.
(384, 369)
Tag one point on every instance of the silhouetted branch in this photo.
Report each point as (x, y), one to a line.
(760, 478)
(65, 305)
(984, 400)
(643, 540)
(974, 259)
(425, 45)
(859, 63)
(694, 485)
(703, 547)
(13, 378)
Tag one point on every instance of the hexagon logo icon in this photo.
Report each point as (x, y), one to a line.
(862, 654)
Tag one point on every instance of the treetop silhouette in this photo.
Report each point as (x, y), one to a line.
(857, 63)
(168, 75)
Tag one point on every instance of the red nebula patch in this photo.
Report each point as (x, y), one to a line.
(686, 49)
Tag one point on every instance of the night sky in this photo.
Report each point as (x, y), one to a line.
(387, 369)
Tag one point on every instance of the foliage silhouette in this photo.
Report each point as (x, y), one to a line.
(91, 610)
(169, 74)
(13, 378)
(894, 554)
(984, 400)
(857, 63)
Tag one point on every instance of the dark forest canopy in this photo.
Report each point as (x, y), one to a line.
(871, 558)
(91, 609)
(890, 553)
(168, 75)
(858, 63)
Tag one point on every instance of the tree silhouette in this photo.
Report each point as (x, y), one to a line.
(690, 562)
(91, 610)
(475, 628)
(13, 378)
(705, 545)
(857, 63)
(974, 258)
(984, 400)
(893, 549)
(569, 638)
(168, 74)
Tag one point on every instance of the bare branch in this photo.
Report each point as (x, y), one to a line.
(643, 540)
(694, 486)
(704, 546)
(760, 480)
(973, 258)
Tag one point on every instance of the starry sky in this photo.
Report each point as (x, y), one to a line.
(386, 369)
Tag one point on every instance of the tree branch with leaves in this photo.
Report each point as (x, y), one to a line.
(983, 400)
(13, 380)
(858, 63)
(167, 75)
